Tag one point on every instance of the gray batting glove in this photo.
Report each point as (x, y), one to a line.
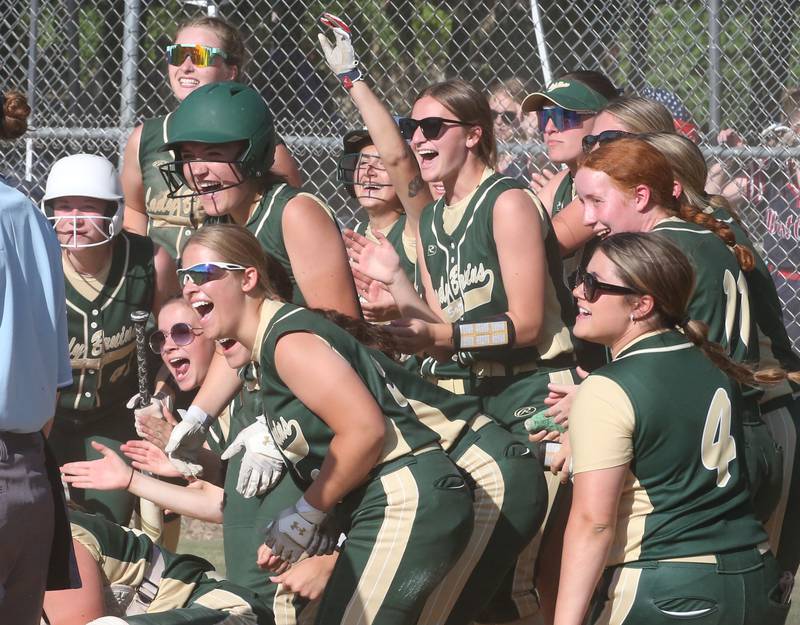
(186, 440)
(262, 464)
(293, 533)
(341, 57)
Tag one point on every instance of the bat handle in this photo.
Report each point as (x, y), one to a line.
(139, 318)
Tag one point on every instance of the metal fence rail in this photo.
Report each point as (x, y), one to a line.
(94, 68)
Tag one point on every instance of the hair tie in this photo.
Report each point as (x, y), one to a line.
(683, 321)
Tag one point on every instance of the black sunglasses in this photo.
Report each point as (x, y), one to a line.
(431, 126)
(509, 117)
(181, 333)
(592, 287)
(589, 141)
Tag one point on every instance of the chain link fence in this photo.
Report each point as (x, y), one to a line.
(94, 68)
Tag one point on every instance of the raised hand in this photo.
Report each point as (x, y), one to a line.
(378, 261)
(146, 456)
(108, 473)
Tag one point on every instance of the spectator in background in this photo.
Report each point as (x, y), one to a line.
(504, 100)
(34, 364)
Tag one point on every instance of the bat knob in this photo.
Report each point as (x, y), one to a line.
(139, 316)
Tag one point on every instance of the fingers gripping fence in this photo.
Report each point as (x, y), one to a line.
(93, 69)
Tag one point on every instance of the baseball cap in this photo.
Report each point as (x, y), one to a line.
(356, 139)
(568, 94)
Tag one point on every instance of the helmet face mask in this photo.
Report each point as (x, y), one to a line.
(353, 171)
(179, 186)
(85, 176)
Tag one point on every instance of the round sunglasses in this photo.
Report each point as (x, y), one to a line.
(592, 287)
(181, 334)
(431, 127)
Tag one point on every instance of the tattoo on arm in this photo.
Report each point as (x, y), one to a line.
(415, 186)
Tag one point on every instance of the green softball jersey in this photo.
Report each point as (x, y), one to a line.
(102, 340)
(124, 554)
(170, 222)
(395, 234)
(662, 408)
(300, 434)
(775, 348)
(266, 224)
(564, 194)
(721, 296)
(462, 260)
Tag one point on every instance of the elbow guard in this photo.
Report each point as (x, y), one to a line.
(490, 333)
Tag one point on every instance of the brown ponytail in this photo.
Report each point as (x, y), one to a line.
(14, 115)
(694, 215)
(369, 334)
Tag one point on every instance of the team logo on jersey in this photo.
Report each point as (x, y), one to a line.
(559, 84)
(100, 344)
(289, 437)
(525, 411)
(431, 250)
(789, 229)
(473, 286)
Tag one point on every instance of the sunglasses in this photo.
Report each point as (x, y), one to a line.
(201, 273)
(431, 126)
(589, 141)
(509, 118)
(202, 56)
(562, 118)
(181, 334)
(592, 287)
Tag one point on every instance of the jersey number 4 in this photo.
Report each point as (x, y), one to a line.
(719, 446)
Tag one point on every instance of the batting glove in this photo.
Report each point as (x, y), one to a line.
(293, 533)
(186, 440)
(262, 463)
(341, 57)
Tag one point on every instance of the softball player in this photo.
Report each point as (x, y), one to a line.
(109, 273)
(780, 410)
(660, 516)
(205, 50)
(128, 580)
(352, 439)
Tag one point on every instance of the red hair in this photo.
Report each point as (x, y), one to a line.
(631, 162)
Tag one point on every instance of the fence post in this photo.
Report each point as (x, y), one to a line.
(31, 89)
(713, 69)
(130, 59)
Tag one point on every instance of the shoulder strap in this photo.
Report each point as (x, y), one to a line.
(148, 589)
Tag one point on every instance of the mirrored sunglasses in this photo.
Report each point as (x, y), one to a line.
(180, 333)
(431, 127)
(201, 273)
(592, 287)
(589, 141)
(202, 56)
(562, 118)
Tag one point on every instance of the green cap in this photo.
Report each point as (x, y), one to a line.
(568, 94)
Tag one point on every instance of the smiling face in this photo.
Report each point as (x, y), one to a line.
(186, 77)
(81, 221)
(374, 190)
(442, 157)
(188, 364)
(607, 208)
(607, 320)
(213, 171)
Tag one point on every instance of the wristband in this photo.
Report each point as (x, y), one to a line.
(309, 512)
(198, 415)
(130, 479)
(348, 78)
(497, 331)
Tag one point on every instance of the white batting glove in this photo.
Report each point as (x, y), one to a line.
(262, 463)
(186, 440)
(341, 57)
(293, 533)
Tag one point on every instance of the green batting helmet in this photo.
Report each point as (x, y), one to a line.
(223, 112)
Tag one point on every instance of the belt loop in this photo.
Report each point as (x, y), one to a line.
(737, 562)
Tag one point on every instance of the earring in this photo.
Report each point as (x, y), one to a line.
(632, 318)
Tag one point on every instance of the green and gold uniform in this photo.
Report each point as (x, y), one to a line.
(686, 541)
(509, 493)
(188, 591)
(266, 224)
(779, 405)
(170, 222)
(395, 234)
(564, 194)
(408, 523)
(102, 347)
(462, 260)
